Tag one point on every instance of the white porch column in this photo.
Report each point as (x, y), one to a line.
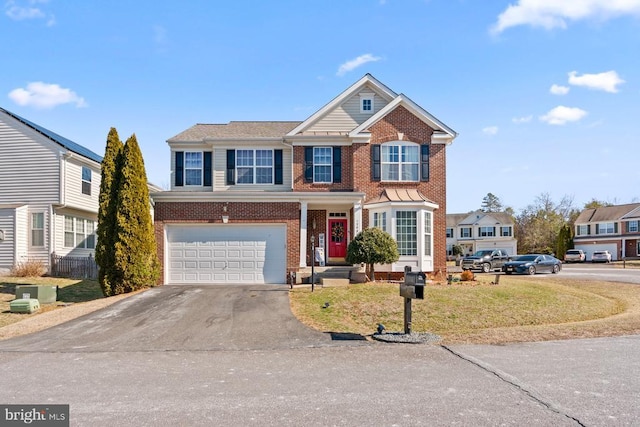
(357, 218)
(303, 234)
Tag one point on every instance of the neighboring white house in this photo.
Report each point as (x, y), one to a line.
(49, 189)
(481, 230)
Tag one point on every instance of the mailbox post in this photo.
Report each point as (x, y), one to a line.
(412, 288)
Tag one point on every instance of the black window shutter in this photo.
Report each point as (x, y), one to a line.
(207, 169)
(179, 168)
(627, 226)
(588, 229)
(615, 227)
(424, 162)
(597, 228)
(231, 167)
(375, 163)
(277, 163)
(308, 164)
(337, 164)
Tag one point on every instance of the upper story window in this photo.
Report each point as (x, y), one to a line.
(582, 230)
(37, 229)
(193, 168)
(487, 231)
(449, 232)
(322, 164)
(606, 228)
(505, 231)
(254, 166)
(366, 103)
(465, 232)
(380, 220)
(632, 226)
(86, 180)
(79, 233)
(400, 162)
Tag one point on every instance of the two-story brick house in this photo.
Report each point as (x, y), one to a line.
(613, 228)
(49, 188)
(479, 230)
(247, 198)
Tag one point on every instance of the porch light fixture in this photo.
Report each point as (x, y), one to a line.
(225, 219)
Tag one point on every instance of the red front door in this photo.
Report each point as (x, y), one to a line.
(337, 238)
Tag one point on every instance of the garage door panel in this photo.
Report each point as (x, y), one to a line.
(226, 254)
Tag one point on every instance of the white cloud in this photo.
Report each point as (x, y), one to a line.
(355, 63)
(550, 14)
(45, 95)
(525, 119)
(607, 81)
(559, 90)
(19, 10)
(561, 115)
(490, 130)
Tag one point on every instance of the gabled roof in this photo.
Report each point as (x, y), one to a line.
(60, 140)
(233, 130)
(443, 131)
(609, 213)
(454, 220)
(367, 81)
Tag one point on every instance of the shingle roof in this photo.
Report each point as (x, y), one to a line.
(607, 213)
(400, 195)
(454, 220)
(201, 131)
(60, 140)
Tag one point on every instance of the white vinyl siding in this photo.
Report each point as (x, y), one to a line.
(347, 116)
(73, 195)
(7, 223)
(220, 172)
(29, 166)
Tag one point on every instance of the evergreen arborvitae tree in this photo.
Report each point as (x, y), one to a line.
(372, 246)
(564, 242)
(110, 172)
(136, 262)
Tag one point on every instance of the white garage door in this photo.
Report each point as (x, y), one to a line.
(588, 250)
(226, 254)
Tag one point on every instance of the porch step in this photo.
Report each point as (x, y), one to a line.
(327, 282)
(344, 273)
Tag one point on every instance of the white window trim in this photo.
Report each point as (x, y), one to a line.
(637, 226)
(462, 236)
(41, 230)
(83, 181)
(613, 228)
(330, 181)
(255, 167)
(85, 234)
(201, 168)
(400, 163)
(367, 97)
(487, 234)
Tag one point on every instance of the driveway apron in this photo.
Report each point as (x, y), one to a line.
(173, 318)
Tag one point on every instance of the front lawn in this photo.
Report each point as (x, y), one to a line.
(69, 291)
(518, 309)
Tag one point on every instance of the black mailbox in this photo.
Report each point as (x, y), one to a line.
(413, 286)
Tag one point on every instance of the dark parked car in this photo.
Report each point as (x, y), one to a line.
(532, 264)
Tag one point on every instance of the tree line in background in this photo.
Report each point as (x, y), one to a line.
(543, 226)
(126, 248)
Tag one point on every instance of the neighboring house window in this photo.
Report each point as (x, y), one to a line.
(79, 233)
(606, 228)
(465, 232)
(380, 220)
(322, 164)
(582, 230)
(487, 231)
(400, 162)
(37, 229)
(427, 233)
(254, 166)
(449, 233)
(86, 181)
(406, 233)
(192, 168)
(632, 226)
(505, 231)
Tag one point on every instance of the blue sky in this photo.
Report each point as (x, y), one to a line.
(545, 94)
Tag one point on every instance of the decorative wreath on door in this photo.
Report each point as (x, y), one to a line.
(337, 232)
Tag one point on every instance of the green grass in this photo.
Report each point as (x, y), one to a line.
(69, 291)
(458, 310)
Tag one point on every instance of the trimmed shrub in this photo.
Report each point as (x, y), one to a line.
(467, 276)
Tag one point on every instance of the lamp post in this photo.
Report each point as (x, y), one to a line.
(313, 261)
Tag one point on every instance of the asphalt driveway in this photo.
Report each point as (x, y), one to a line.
(170, 318)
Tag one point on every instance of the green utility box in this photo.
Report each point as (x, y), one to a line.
(45, 294)
(24, 305)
